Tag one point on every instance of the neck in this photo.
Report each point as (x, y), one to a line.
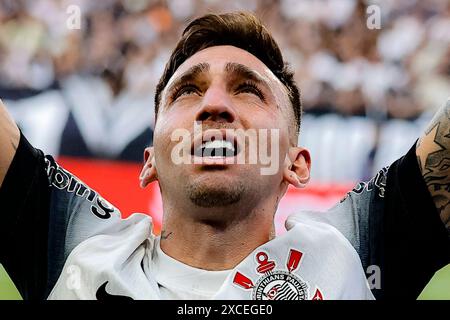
(216, 245)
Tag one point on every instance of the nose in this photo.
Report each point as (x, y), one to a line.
(216, 106)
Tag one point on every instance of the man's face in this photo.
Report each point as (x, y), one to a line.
(223, 87)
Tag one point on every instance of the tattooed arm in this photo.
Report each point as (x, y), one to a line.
(433, 155)
(9, 140)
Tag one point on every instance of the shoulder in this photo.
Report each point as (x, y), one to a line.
(312, 228)
(78, 212)
(333, 256)
(76, 193)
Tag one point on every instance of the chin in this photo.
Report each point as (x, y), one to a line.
(211, 192)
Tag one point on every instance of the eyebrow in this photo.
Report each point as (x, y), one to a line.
(233, 69)
(190, 75)
(242, 71)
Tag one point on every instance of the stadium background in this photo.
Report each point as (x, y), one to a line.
(86, 95)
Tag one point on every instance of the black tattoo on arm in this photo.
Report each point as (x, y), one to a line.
(433, 155)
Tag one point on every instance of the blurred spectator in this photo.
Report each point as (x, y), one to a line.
(343, 67)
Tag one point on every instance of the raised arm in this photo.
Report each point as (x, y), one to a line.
(9, 140)
(433, 154)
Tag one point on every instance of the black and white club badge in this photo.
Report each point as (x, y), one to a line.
(277, 284)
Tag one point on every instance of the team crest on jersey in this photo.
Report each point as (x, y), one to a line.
(277, 284)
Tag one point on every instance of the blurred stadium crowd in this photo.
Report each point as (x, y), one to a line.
(367, 93)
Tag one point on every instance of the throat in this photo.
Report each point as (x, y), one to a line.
(213, 246)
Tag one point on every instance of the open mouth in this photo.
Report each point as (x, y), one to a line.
(215, 147)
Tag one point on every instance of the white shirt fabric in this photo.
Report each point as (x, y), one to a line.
(312, 260)
(179, 281)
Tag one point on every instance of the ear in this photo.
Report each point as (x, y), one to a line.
(297, 167)
(148, 173)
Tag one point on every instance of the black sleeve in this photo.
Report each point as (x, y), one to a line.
(395, 228)
(46, 212)
(24, 206)
(415, 242)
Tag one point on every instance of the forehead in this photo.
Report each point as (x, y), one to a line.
(218, 57)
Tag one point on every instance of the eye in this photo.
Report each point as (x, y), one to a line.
(184, 90)
(250, 87)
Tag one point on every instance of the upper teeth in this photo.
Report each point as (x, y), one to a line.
(218, 144)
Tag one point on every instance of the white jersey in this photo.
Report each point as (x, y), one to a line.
(312, 260)
(79, 247)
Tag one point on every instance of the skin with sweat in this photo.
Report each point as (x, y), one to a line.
(216, 214)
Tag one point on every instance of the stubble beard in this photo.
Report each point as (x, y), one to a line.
(209, 197)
